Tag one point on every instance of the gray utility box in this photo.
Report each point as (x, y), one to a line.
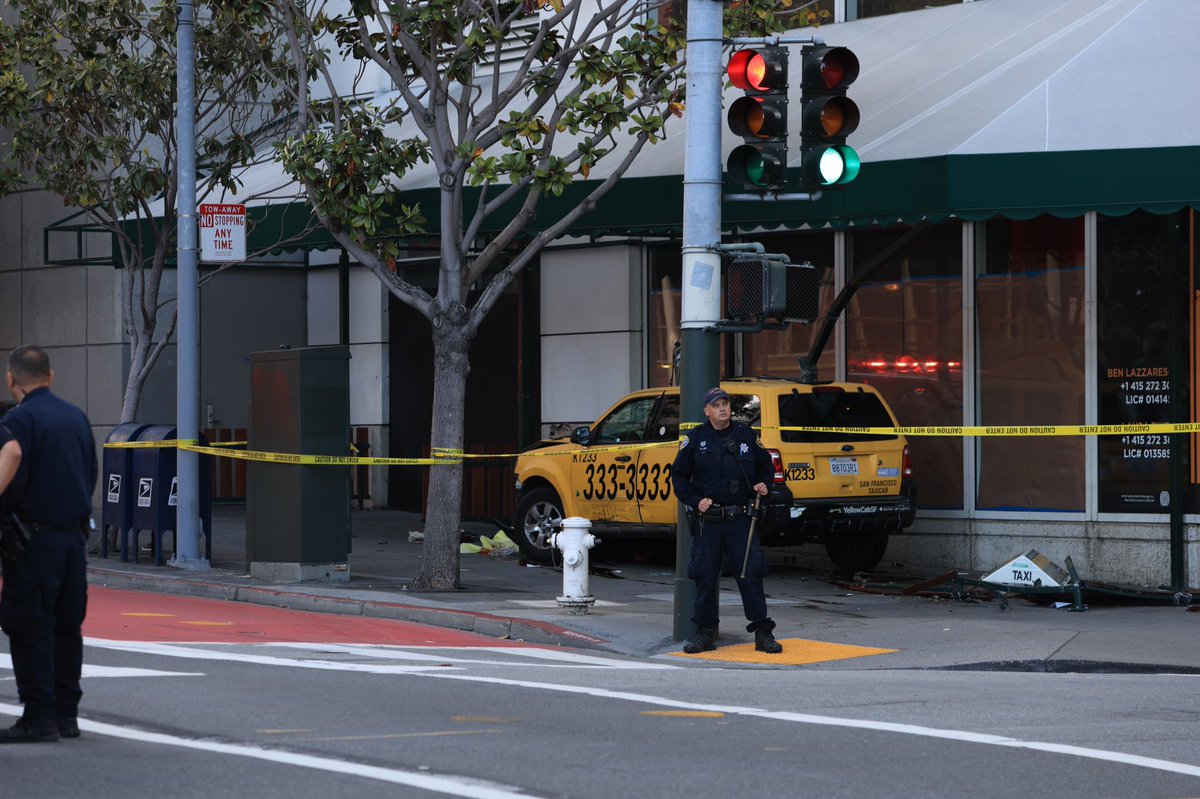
(298, 516)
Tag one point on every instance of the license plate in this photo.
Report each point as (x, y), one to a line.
(843, 466)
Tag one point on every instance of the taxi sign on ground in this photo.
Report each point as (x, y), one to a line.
(1031, 569)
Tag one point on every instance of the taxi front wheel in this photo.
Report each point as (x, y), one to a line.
(858, 553)
(539, 516)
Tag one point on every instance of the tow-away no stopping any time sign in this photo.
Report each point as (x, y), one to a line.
(222, 232)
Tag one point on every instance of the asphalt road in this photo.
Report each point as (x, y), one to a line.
(200, 698)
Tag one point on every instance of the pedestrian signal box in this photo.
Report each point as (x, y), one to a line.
(759, 288)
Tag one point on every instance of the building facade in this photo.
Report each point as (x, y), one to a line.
(1026, 203)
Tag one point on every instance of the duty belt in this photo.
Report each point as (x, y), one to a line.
(715, 512)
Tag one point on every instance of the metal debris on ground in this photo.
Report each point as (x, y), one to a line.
(964, 586)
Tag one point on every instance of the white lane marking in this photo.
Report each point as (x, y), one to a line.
(441, 783)
(90, 670)
(835, 721)
(563, 659)
(799, 718)
(170, 650)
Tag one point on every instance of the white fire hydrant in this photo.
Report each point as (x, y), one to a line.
(574, 540)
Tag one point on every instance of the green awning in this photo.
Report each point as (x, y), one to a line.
(971, 187)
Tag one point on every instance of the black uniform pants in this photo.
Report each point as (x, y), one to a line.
(42, 606)
(711, 540)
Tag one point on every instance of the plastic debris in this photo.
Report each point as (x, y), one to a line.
(498, 545)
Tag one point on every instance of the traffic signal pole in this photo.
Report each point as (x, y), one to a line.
(760, 165)
(701, 306)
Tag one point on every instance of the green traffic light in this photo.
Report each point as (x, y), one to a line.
(837, 165)
(851, 160)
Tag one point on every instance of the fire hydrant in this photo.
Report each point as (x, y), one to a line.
(574, 540)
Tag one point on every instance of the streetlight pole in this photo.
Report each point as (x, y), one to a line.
(187, 407)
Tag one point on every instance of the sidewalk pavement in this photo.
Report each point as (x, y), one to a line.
(634, 611)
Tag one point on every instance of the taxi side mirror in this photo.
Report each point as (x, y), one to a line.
(581, 435)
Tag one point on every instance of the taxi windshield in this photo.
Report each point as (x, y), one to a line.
(832, 407)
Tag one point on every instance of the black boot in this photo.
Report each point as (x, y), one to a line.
(764, 639)
(704, 640)
(30, 731)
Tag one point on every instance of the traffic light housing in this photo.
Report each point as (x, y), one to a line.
(760, 118)
(828, 116)
(763, 288)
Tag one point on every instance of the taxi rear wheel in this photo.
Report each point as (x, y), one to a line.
(539, 516)
(858, 553)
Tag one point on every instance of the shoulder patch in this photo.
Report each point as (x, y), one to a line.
(759, 442)
(683, 441)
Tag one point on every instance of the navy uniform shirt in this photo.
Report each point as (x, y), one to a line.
(54, 482)
(705, 466)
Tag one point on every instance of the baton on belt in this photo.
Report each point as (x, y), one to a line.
(750, 535)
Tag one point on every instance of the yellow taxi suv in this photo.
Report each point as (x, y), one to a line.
(846, 490)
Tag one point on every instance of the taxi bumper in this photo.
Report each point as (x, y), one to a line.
(793, 521)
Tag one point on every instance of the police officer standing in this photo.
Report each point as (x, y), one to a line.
(47, 474)
(718, 468)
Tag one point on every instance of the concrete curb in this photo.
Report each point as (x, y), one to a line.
(491, 625)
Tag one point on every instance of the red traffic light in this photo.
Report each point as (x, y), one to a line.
(758, 70)
(829, 68)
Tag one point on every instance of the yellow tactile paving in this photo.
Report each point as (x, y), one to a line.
(796, 652)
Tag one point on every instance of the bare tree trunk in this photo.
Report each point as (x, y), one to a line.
(133, 389)
(443, 511)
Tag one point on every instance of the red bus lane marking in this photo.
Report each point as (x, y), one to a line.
(119, 615)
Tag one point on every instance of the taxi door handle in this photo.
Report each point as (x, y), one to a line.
(623, 458)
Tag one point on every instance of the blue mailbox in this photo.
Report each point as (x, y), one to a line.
(116, 510)
(155, 490)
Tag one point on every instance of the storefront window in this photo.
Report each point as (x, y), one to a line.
(1030, 316)
(774, 352)
(663, 314)
(904, 336)
(1141, 273)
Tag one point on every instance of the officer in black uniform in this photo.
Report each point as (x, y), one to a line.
(47, 474)
(720, 465)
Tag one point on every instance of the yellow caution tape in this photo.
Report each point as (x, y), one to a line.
(442, 456)
(218, 450)
(314, 460)
(985, 431)
(170, 443)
